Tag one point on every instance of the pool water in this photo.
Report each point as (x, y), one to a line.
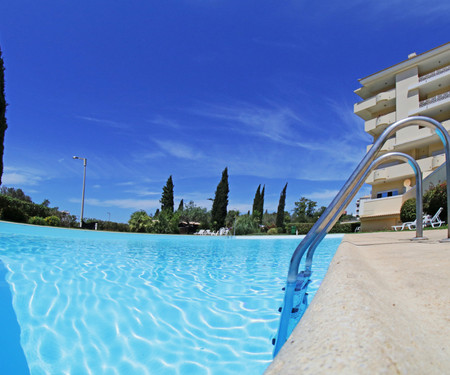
(110, 303)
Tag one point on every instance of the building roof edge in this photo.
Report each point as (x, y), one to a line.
(409, 61)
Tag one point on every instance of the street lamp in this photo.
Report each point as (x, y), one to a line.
(84, 184)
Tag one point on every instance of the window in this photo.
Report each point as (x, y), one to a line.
(388, 193)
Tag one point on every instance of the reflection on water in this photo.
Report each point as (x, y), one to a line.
(152, 305)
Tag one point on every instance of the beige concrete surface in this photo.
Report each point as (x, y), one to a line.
(383, 308)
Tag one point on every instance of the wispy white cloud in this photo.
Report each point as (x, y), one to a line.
(110, 123)
(143, 192)
(324, 194)
(273, 121)
(179, 150)
(135, 204)
(126, 183)
(22, 176)
(165, 122)
(327, 150)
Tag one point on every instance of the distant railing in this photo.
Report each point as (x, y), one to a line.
(435, 73)
(435, 99)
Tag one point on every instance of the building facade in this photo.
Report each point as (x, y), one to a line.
(418, 86)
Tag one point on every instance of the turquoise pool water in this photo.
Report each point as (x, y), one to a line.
(110, 303)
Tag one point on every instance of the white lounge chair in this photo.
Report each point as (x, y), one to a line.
(201, 232)
(410, 224)
(435, 221)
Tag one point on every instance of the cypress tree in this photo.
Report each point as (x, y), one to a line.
(261, 204)
(181, 206)
(3, 124)
(256, 202)
(280, 211)
(220, 203)
(167, 196)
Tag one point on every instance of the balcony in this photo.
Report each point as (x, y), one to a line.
(382, 101)
(403, 170)
(436, 73)
(432, 82)
(436, 107)
(434, 99)
(377, 125)
(381, 206)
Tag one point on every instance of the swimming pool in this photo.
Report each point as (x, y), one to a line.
(112, 303)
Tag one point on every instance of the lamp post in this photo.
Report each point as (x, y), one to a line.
(84, 184)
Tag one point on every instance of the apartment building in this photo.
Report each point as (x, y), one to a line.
(418, 86)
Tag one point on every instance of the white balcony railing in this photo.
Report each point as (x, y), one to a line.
(435, 73)
(434, 99)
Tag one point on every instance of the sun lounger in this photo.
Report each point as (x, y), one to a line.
(435, 221)
(410, 224)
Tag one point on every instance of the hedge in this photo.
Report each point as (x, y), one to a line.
(28, 209)
(304, 228)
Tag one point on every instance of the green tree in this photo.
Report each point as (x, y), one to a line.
(15, 193)
(261, 205)
(181, 206)
(167, 196)
(140, 222)
(318, 213)
(269, 220)
(257, 204)
(281, 205)
(305, 210)
(311, 209)
(193, 213)
(299, 210)
(232, 215)
(220, 203)
(3, 104)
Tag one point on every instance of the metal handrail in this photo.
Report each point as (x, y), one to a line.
(331, 214)
(381, 160)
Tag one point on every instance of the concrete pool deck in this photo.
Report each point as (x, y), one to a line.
(383, 308)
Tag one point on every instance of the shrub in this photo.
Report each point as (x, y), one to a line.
(37, 220)
(280, 230)
(304, 228)
(10, 213)
(140, 222)
(408, 210)
(272, 231)
(53, 221)
(435, 198)
(342, 228)
(245, 225)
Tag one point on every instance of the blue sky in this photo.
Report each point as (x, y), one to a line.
(148, 89)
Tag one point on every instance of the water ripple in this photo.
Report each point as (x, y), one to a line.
(163, 305)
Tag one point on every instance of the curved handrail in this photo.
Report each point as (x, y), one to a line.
(306, 274)
(331, 214)
(380, 160)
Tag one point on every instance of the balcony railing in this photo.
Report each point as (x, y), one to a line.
(434, 99)
(435, 73)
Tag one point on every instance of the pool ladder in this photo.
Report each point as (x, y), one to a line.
(295, 297)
